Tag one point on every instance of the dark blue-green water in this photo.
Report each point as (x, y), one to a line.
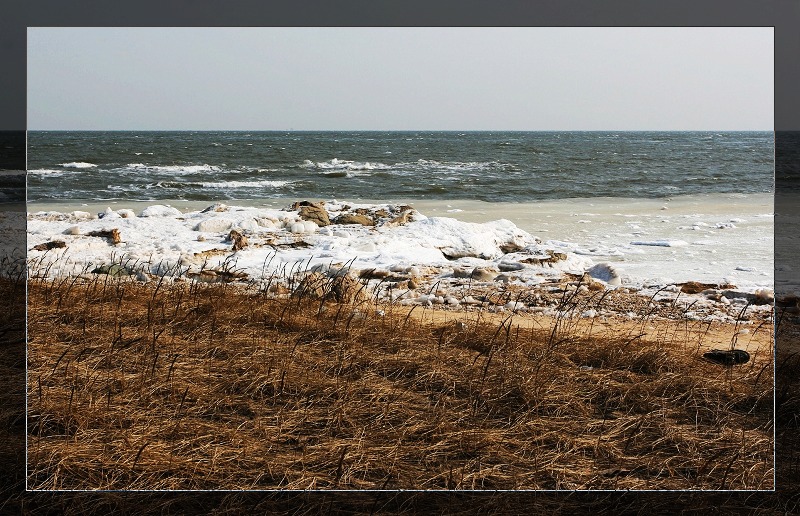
(488, 166)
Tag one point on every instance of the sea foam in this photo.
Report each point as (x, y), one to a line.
(77, 164)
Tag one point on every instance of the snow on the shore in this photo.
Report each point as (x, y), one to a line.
(161, 238)
(439, 255)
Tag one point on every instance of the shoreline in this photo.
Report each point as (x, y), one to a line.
(712, 239)
(469, 206)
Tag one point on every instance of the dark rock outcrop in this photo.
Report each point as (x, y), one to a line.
(354, 218)
(315, 214)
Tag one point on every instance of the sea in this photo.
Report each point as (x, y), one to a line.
(485, 166)
(662, 206)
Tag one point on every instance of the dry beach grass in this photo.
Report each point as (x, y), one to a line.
(190, 385)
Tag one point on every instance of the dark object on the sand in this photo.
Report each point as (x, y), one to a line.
(55, 244)
(727, 357)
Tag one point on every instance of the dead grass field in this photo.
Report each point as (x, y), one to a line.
(211, 386)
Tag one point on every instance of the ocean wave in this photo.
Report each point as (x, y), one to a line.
(347, 168)
(245, 184)
(343, 164)
(46, 172)
(181, 185)
(427, 164)
(77, 164)
(174, 169)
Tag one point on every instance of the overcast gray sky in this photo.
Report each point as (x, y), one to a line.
(400, 78)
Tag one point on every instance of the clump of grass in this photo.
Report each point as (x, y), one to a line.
(191, 385)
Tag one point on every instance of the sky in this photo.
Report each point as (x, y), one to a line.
(424, 78)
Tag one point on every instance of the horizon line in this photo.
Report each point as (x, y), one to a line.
(408, 130)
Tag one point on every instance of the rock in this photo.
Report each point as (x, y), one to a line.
(605, 272)
(374, 274)
(278, 288)
(347, 290)
(595, 286)
(413, 284)
(590, 284)
(315, 214)
(218, 207)
(760, 297)
(216, 276)
(238, 239)
(108, 214)
(55, 244)
(313, 286)
(404, 218)
(114, 269)
(763, 297)
(299, 204)
(695, 287)
(112, 235)
(482, 274)
(339, 287)
(214, 225)
(503, 278)
(510, 266)
(354, 218)
(727, 357)
(551, 258)
(74, 230)
(462, 273)
(511, 247)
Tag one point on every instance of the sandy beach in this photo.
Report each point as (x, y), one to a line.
(195, 385)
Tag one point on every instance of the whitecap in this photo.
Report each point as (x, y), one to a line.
(337, 164)
(46, 172)
(77, 164)
(174, 169)
(246, 184)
